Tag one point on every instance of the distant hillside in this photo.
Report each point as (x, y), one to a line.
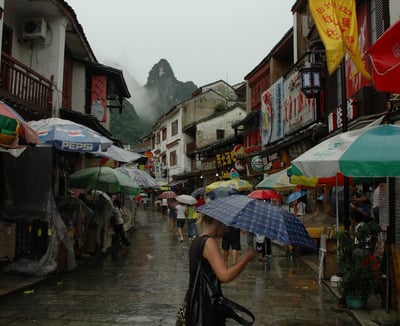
(170, 91)
(161, 92)
(127, 126)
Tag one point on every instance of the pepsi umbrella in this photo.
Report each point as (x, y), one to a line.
(259, 217)
(69, 136)
(295, 195)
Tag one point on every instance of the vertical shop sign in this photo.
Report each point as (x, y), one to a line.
(98, 98)
(298, 110)
(271, 123)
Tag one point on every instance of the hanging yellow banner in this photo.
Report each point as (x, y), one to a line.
(336, 22)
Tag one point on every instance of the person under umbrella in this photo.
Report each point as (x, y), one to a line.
(181, 211)
(119, 222)
(206, 247)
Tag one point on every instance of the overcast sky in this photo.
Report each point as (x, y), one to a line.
(203, 41)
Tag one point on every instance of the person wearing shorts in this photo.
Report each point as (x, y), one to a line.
(231, 240)
(181, 212)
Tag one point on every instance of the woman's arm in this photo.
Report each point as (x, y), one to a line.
(224, 273)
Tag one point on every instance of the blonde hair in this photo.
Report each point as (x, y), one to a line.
(203, 219)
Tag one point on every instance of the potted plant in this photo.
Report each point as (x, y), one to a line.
(357, 265)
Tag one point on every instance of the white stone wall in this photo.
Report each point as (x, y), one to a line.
(206, 133)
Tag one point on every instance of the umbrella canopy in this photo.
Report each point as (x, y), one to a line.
(386, 61)
(69, 136)
(118, 154)
(237, 184)
(259, 217)
(105, 179)
(168, 194)
(296, 195)
(198, 191)
(221, 192)
(278, 181)
(264, 194)
(142, 178)
(14, 131)
(186, 199)
(350, 153)
(99, 194)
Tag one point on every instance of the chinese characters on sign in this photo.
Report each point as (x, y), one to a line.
(336, 22)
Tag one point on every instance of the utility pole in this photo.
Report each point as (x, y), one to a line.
(346, 188)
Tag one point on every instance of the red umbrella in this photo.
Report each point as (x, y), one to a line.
(264, 194)
(167, 194)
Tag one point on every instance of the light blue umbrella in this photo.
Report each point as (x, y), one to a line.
(198, 191)
(296, 195)
(259, 217)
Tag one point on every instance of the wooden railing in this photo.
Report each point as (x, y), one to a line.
(24, 87)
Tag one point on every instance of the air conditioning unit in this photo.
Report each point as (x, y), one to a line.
(34, 28)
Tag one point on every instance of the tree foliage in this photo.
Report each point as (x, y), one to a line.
(127, 126)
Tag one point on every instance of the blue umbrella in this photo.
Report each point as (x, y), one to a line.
(221, 192)
(296, 195)
(198, 191)
(259, 217)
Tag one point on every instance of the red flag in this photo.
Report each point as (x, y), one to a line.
(385, 59)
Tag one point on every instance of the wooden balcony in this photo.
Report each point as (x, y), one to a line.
(25, 88)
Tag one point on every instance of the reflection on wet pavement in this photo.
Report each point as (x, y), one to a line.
(145, 283)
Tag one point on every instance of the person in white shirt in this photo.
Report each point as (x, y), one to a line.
(119, 222)
(180, 219)
(301, 208)
(164, 206)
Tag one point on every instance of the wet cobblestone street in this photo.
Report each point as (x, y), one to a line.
(145, 283)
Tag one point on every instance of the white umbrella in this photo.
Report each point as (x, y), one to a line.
(119, 154)
(186, 199)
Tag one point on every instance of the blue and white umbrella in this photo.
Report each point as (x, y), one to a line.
(69, 136)
(259, 217)
(141, 177)
(221, 192)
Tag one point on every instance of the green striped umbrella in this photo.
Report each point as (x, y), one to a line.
(373, 151)
(105, 179)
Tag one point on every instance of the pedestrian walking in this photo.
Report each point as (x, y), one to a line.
(181, 212)
(164, 206)
(231, 240)
(172, 213)
(192, 229)
(260, 247)
(214, 265)
(145, 202)
(119, 222)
